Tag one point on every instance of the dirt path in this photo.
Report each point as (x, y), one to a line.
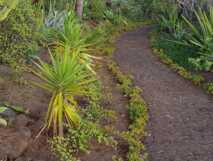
(181, 123)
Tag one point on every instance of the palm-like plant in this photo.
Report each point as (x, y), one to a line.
(72, 35)
(65, 78)
(202, 36)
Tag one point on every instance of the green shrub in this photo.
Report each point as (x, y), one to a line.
(77, 140)
(6, 6)
(209, 87)
(137, 106)
(18, 34)
(115, 18)
(97, 9)
(179, 54)
(200, 37)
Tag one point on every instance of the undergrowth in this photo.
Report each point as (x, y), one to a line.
(78, 139)
(197, 79)
(138, 114)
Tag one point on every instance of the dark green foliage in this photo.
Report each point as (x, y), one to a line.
(98, 7)
(178, 53)
(18, 34)
(197, 79)
(200, 38)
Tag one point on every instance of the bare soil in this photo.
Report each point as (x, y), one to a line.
(35, 101)
(181, 114)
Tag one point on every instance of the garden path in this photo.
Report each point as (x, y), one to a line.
(181, 114)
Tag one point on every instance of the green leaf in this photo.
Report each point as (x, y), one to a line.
(18, 109)
(2, 109)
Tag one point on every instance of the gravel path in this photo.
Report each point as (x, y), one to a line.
(181, 114)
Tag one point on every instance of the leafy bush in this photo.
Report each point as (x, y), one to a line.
(98, 8)
(209, 87)
(178, 53)
(6, 7)
(77, 140)
(57, 5)
(18, 34)
(65, 78)
(115, 18)
(201, 38)
(137, 106)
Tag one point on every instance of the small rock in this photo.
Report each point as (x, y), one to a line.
(13, 143)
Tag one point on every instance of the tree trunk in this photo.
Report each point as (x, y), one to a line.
(79, 7)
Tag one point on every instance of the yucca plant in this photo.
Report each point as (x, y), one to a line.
(201, 36)
(72, 35)
(65, 78)
(169, 19)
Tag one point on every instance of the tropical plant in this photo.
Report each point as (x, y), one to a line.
(72, 35)
(55, 19)
(115, 18)
(170, 21)
(65, 78)
(56, 5)
(97, 9)
(201, 38)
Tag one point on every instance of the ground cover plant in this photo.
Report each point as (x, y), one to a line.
(19, 33)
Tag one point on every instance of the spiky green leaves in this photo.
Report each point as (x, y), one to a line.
(65, 78)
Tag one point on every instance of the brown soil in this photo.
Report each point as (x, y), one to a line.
(181, 114)
(35, 101)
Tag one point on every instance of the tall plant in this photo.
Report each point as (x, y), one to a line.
(71, 34)
(65, 78)
(201, 38)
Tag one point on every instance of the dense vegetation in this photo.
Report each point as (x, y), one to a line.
(184, 33)
(75, 34)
